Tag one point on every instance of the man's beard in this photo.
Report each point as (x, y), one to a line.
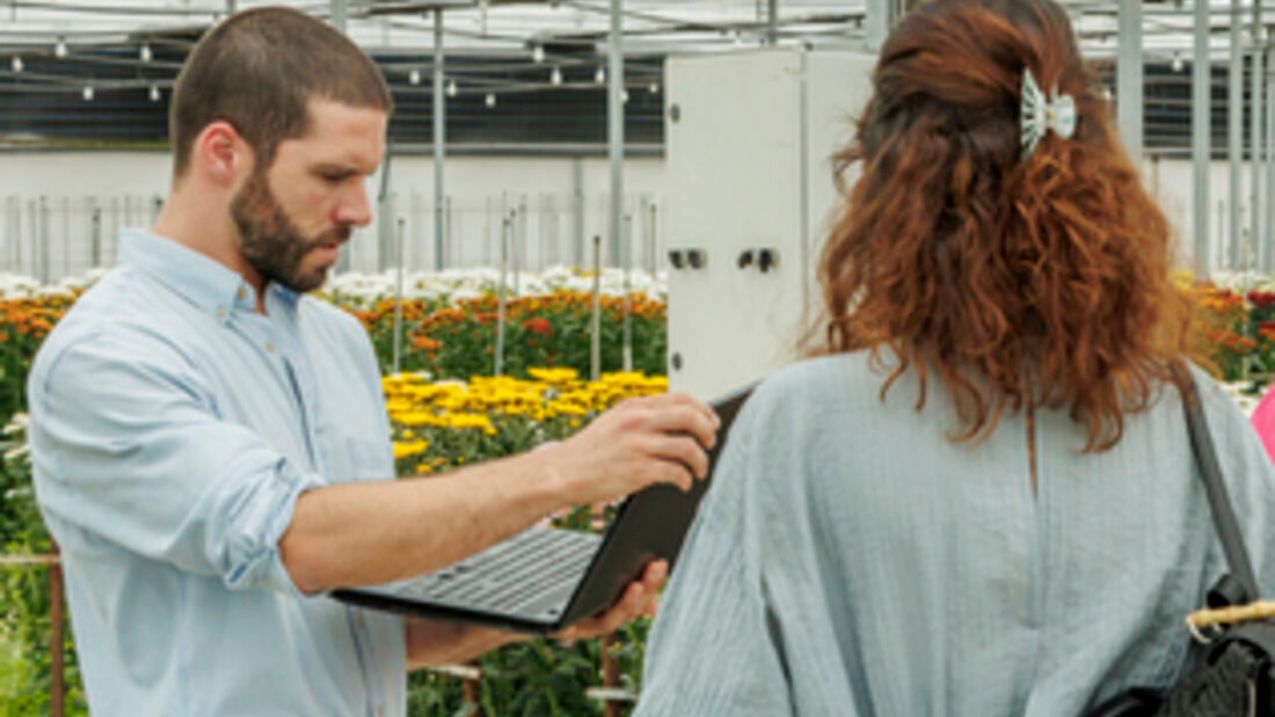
(271, 244)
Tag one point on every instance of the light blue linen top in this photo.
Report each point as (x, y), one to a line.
(172, 430)
(850, 561)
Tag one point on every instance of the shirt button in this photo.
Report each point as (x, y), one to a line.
(358, 620)
(241, 294)
(380, 711)
(270, 347)
(221, 313)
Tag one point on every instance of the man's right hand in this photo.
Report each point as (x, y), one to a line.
(639, 442)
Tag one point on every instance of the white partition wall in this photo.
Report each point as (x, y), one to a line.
(749, 137)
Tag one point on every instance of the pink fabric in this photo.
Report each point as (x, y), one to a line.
(1264, 421)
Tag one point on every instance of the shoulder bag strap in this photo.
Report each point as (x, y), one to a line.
(1219, 503)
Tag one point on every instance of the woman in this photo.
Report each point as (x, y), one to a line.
(980, 499)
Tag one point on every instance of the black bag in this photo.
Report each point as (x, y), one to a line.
(1237, 675)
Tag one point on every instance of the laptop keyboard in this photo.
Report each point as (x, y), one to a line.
(532, 574)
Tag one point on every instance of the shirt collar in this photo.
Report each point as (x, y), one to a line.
(203, 281)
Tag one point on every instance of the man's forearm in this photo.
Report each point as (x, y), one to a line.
(437, 642)
(367, 533)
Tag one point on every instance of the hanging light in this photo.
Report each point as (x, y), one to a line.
(87, 93)
(491, 100)
(452, 89)
(16, 64)
(624, 96)
(144, 54)
(600, 76)
(654, 88)
(414, 77)
(154, 93)
(59, 50)
(1177, 61)
(555, 77)
(537, 54)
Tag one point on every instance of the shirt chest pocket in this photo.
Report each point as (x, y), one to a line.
(362, 459)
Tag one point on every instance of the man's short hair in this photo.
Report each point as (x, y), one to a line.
(258, 70)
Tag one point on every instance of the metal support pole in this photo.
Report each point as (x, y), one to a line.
(1255, 142)
(1235, 135)
(399, 227)
(450, 257)
(655, 239)
(1201, 139)
(1268, 235)
(66, 237)
(338, 14)
(487, 234)
(439, 118)
(506, 228)
(515, 248)
(595, 333)
(57, 679)
(44, 239)
(385, 233)
(1129, 78)
(523, 242)
(611, 674)
(95, 236)
(772, 22)
(577, 211)
(628, 291)
(878, 21)
(615, 118)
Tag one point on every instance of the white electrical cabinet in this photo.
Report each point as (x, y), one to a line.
(749, 140)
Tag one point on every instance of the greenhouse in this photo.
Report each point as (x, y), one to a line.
(591, 357)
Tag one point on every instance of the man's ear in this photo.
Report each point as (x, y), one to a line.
(221, 154)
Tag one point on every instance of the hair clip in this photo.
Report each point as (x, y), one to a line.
(1041, 114)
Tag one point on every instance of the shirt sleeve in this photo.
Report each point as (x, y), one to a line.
(129, 448)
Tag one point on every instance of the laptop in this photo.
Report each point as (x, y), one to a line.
(544, 579)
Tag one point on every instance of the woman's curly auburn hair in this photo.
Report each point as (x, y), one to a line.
(1037, 281)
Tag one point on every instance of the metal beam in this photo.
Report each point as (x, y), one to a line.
(1129, 78)
(615, 122)
(440, 109)
(1235, 135)
(772, 22)
(1267, 252)
(880, 15)
(337, 13)
(1201, 142)
(1255, 143)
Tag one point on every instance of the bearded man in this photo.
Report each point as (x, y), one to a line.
(211, 446)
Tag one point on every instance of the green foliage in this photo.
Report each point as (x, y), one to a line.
(26, 665)
(541, 678)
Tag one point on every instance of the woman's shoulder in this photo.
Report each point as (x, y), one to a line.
(822, 381)
(821, 375)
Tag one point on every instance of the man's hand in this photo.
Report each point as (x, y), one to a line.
(640, 598)
(642, 441)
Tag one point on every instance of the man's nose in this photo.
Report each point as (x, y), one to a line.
(355, 209)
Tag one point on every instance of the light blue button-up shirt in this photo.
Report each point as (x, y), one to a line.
(173, 428)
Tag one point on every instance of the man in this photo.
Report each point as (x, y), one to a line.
(211, 446)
